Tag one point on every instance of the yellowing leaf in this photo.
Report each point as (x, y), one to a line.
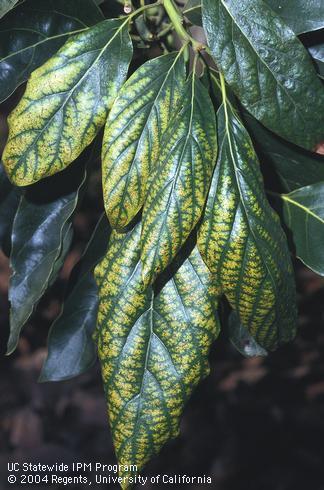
(135, 125)
(242, 242)
(153, 346)
(27, 47)
(66, 102)
(179, 183)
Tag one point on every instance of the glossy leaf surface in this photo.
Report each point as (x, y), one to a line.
(9, 199)
(66, 102)
(304, 215)
(317, 53)
(242, 242)
(71, 350)
(135, 126)
(153, 348)
(179, 183)
(300, 15)
(34, 31)
(192, 10)
(41, 223)
(295, 167)
(267, 67)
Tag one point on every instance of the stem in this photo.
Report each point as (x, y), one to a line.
(223, 87)
(165, 31)
(227, 102)
(194, 66)
(177, 20)
(143, 8)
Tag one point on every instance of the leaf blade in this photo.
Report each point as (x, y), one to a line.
(317, 53)
(71, 350)
(295, 167)
(267, 67)
(66, 102)
(134, 128)
(242, 340)
(153, 349)
(41, 223)
(179, 183)
(241, 240)
(33, 32)
(9, 199)
(301, 16)
(192, 10)
(303, 213)
(6, 6)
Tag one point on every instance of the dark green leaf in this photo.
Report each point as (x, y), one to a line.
(71, 350)
(303, 211)
(242, 242)
(242, 340)
(179, 182)
(153, 348)
(267, 67)
(9, 199)
(295, 167)
(34, 31)
(317, 53)
(66, 240)
(300, 15)
(41, 223)
(135, 126)
(66, 102)
(192, 11)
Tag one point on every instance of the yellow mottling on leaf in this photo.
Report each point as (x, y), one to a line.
(178, 185)
(242, 242)
(65, 104)
(154, 354)
(133, 133)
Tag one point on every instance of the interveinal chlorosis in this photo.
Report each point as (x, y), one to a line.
(66, 102)
(242, 241)
(153, 345)
(178, 185)
(137, 121)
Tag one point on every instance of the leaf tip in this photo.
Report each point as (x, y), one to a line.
(11, 347)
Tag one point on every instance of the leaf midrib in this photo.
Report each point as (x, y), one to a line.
(263, 62)
(176, 175)
(145, 127)
(242, 199)
(307, 210)
(61, 107)
(42, 41)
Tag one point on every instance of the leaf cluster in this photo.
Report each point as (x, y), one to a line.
(210, 183)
